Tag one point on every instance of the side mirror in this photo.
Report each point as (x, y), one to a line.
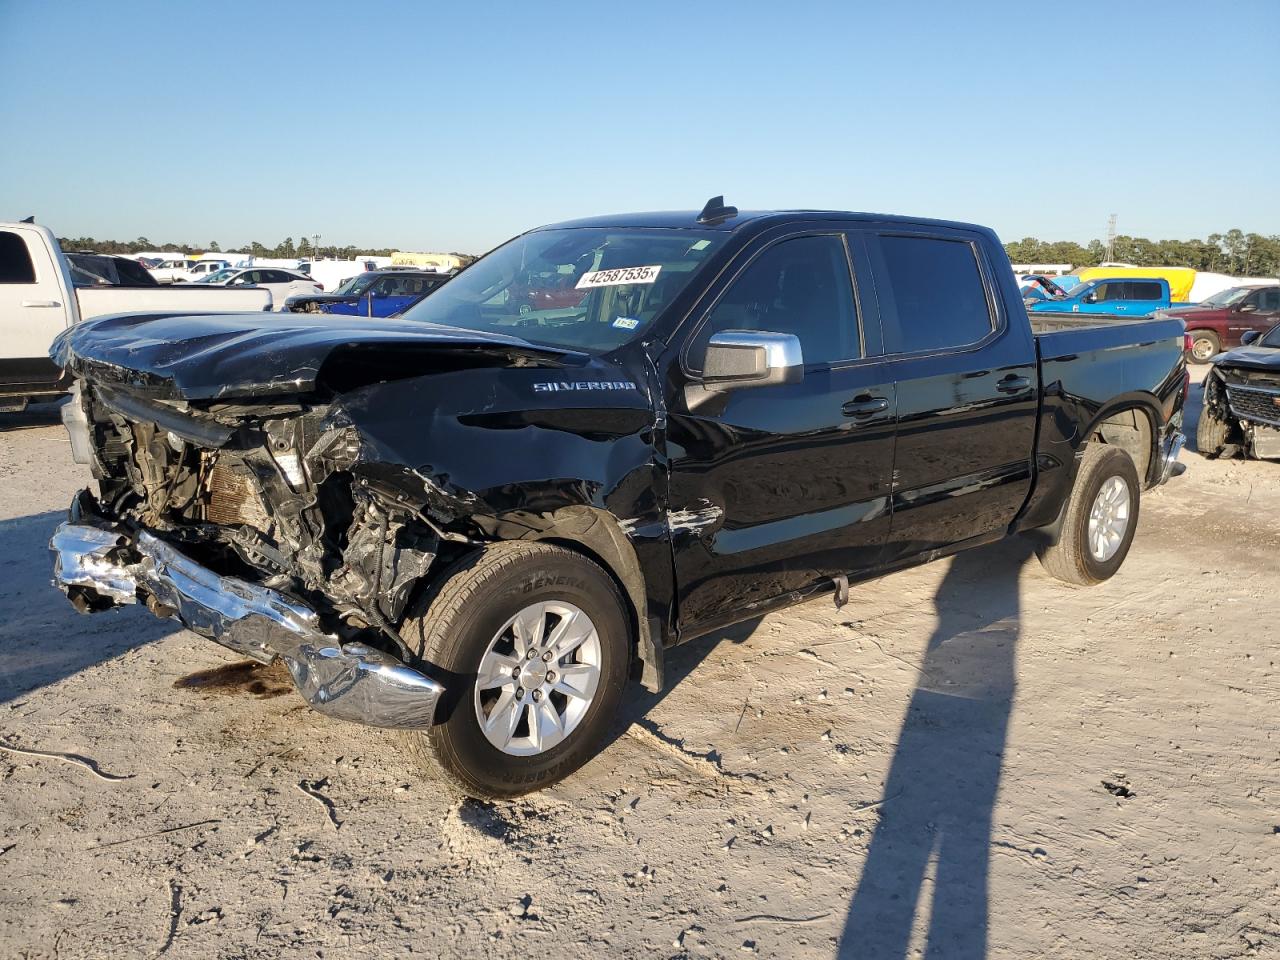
(1249, 336)
(1248, 308)
(1090, 298)
(740, 359)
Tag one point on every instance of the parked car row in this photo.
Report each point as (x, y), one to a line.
(375, 293)
(1223, 319)
(282, 284)
(44, 291)
(1217, 322)
(186, 270)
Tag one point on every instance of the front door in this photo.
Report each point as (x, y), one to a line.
(32, 304)
(1106, 297)
(1263, 316)
(965, 377)
(774, 489)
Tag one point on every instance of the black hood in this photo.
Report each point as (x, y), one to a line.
(205, 357)
(1251, 357)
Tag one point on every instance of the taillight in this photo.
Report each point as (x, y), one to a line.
(1186, 343)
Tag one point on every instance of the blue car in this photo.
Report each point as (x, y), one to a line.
(1123, 298)
(377, 293)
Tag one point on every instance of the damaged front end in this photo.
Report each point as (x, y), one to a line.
(261, 527)
(1248, 400)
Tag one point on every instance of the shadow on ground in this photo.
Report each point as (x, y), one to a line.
(42, 639)
(929, 852)
(36, 415)
(679, 662)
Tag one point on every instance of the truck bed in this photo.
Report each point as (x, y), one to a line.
(1064, 335)
(1051, 322)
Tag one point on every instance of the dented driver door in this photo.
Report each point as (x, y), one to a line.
(775, 489)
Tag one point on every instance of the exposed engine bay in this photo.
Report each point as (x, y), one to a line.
(1249, 402)
(265, 493)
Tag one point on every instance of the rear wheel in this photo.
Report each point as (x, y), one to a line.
(1204, 345)
(534, 644)
(1100, 519)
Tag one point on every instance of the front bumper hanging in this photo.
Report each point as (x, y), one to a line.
(99, 565)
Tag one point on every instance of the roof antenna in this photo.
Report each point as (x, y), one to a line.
(716, 212)
(30, 219)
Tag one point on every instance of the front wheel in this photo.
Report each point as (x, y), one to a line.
(534, 644)
(1100, 519)
(1211, 431)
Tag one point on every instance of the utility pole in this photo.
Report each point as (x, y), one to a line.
(1111, 238)
(315, 246)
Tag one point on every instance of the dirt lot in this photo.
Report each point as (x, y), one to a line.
(970, 759)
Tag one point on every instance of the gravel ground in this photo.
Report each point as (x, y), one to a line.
(970, 759)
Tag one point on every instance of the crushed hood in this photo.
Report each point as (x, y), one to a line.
(1251, 357)
(214, 356)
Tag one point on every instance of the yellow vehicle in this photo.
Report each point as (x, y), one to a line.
(443, 262)
(1180, 279)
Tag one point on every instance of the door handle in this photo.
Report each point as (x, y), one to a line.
(865, 406)
(1012, 384)
(41, 303)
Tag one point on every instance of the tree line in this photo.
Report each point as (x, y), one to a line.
(286, 249)
(1234, 252)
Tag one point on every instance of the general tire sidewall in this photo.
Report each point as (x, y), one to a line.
(557, 577)
(1114, 463)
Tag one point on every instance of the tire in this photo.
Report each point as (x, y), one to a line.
(1211, 432)
(1071, 559)
(469, 620)
(1205, 345)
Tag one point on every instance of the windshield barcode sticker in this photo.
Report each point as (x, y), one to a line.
(617, 277)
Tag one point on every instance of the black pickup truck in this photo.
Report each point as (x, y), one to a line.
(474, 523)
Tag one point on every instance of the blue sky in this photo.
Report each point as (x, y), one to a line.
(456, 125)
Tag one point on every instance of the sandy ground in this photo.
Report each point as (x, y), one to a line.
(969, 760)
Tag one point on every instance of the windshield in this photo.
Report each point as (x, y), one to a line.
(1225, 298)
(354, 286)
(1271, 338)
(220, 276)
(587, 289)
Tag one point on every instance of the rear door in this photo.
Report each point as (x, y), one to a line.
(32, 307)
(1144, 297)
(965, 378)
(774, 489)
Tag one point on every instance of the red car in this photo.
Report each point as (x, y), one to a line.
(1220, 320)
(551, 294)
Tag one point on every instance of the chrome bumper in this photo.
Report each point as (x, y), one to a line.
(1170, 447)
(101, 565)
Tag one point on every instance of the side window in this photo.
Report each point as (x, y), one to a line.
(934, 294)
(1268, 300)
(1145, 290)
(15, 261)
(1107, 291)
(799, 286)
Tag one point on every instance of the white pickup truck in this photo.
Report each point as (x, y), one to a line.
(39, 299)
